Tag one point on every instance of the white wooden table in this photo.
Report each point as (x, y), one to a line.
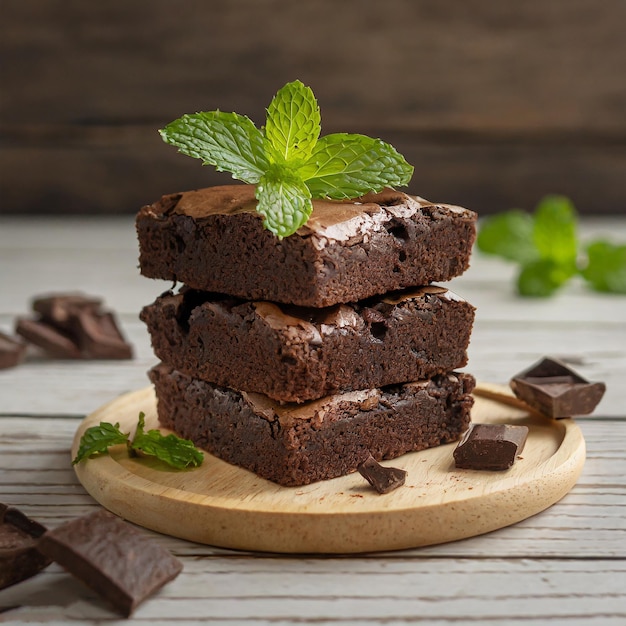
(566, 565)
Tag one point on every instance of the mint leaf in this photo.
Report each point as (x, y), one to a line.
(541, 278)
(509, 235)
(229, 141)
(287, 159)
(293, 122)
(98, 439)
(606, 267)
(173, 450)
(554, 231)
(284, 201)
(344, 166)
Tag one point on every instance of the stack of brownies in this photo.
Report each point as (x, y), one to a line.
(296, 358)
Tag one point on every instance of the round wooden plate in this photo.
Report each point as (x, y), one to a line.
(223, 505)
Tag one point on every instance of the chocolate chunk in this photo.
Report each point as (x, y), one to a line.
(383, 479)
(120, 563)
(12, 351)
(19, 557)
(56, 343)
(99, 337)
(60, 309)
(72, 326)
(555, 390)
(490, 446)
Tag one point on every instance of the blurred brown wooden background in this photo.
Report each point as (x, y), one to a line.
(494, 103)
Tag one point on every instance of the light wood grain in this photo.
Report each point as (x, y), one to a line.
(224, 505)
(563, 566)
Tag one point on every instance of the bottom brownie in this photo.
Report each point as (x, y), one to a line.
(297, 444)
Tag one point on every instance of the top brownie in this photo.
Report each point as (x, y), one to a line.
(214, 240)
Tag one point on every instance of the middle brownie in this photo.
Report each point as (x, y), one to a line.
(296, 354)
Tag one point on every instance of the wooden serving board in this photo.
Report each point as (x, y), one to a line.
(223, 505)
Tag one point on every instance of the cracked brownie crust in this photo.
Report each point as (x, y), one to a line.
(296, 354)
(299, 444)
(213, 240)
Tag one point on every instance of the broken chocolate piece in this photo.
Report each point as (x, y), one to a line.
(120, 563)
(99, 337)
(383, 479)
(73, 326)
(555, 390)
(490, 446)
(55, 342)
(12, 351)
(19, 557)
(60, 309)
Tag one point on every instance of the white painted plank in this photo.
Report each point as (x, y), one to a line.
(590, 522)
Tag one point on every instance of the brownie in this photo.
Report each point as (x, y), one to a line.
(295, 354)
(213, 240)
(297, 444)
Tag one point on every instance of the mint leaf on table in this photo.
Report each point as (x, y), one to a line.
(606, 267)
(287, 159)
(177, 452)
(509, 235)
(546, 246)
(98, 439)
(173, 450)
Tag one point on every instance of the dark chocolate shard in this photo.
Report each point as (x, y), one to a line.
(60, 309)
(73, 326)
(54, 342)
(555, 390)
(119, 562)
(99, 336)
(490, 446)
(12, 351)
(383, 479)
(19, 557)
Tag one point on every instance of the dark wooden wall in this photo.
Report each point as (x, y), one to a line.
(494, 103)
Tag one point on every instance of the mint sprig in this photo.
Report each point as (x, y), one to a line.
(173, 450)
(177, 452)
(287, 159)
(99, 439)
(546, 246)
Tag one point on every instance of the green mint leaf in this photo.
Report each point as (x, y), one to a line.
(554, 231)
(98, 439)
(283, 200)
(606, 267)
(542, 278)
(228, 141)
(177, 452)
(345, 166)
(293, 122)
(509, 235)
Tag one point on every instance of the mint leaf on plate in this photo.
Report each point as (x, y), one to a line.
(541, 278)
(177, 452)
(98, 439)
(287, 159)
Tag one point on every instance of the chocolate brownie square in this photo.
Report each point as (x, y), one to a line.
(213, 240)
(296, 354)
(297, 444)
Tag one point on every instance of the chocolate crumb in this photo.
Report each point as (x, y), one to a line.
(383, 479)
